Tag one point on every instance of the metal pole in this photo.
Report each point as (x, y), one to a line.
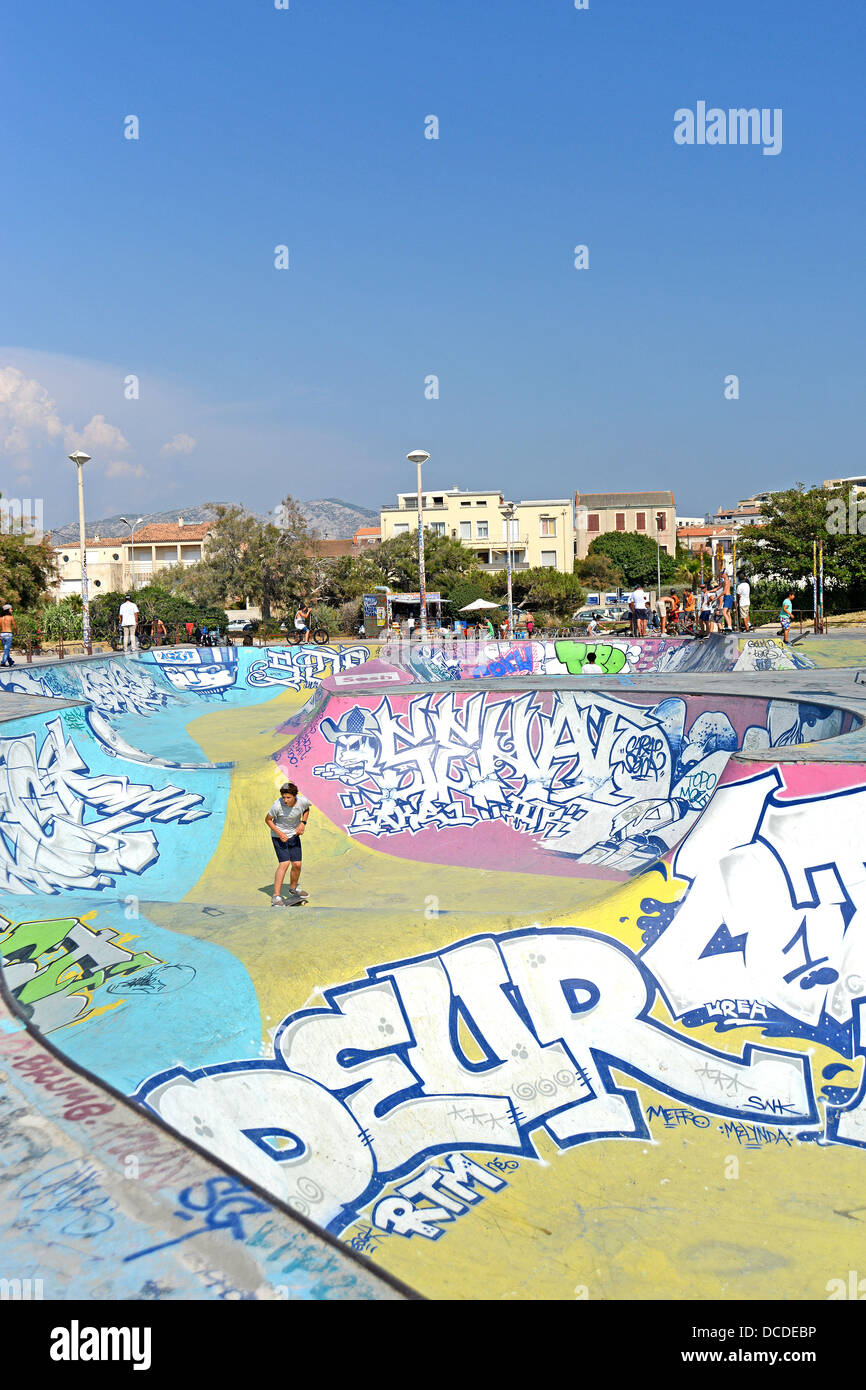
(422, 578)
(85, 605)
(132, 555)
(814, 586)
(820, 586)
(509, 517)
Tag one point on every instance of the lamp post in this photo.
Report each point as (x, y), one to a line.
(419, 457)
(659, 524)
(132, 525)
(508, 513)
(79, 458)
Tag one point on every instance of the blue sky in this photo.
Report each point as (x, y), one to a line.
(411, 257)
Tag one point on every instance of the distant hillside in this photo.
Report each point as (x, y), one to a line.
(335, 519)
(112, 526)
(331, 517)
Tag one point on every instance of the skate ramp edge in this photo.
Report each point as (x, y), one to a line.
(434, 1093)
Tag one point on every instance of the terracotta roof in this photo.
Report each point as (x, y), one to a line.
(369, 531)
(334, 548)
(146, 535)
(624, 499)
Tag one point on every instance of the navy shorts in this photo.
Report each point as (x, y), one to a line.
(288, 850)
(728, 601)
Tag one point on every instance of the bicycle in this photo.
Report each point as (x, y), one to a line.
(320, 635)
(144, 642)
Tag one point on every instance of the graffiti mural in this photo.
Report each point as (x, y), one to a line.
(63, 829)
(767, 930)
(53, 968)
(456, 660)
(469, 1049)
(770, 654)
(601, 781)
(302, 668)
(205, 671)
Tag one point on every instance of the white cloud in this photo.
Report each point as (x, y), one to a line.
(26, 409)
(179, 444)
(97, 434)
(28, 417)
(119, 469)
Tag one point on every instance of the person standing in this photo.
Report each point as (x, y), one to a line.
(160, 632)
(128, 621)
(704, 611)
(7, 627)
(410, 624)
(786, 613)
(287, 822)
(641, 603)
(744, 599)
(530, 624)
(727, 600)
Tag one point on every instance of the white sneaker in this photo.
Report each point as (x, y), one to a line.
(277, 902)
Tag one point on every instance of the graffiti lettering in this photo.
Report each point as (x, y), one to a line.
(47, 845)
(356, 1098)
(52, 968)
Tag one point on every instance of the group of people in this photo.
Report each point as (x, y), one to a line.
(482, 628)
(714, 609)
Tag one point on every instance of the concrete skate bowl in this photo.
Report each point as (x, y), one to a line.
(543, 923)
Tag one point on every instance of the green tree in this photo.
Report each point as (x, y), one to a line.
(26, 566)
(778, 555)
(599, 572)
(545, 589)
(446, 560)
(636, 555)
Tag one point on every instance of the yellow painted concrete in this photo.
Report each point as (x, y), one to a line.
(688, 1215)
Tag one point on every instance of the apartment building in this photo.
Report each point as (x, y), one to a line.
(542, 531)
(597, 513)
(113, 563)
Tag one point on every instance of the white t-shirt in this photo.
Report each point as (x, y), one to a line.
(744, 594)
(640, 600)
(288, 818)
(128, 614)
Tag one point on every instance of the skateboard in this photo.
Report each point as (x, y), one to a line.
(292, 900)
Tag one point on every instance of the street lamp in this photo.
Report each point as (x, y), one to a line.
(420, 456)
(79, 458)
(508, 513)
(132, 525)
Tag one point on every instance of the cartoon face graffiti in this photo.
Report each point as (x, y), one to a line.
(357, 746)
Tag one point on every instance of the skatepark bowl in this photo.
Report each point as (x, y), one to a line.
(575, 1008)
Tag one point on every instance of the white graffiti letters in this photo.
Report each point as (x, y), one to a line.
(777, 889)
(46, 844)
(302, 668)
(471, 1048)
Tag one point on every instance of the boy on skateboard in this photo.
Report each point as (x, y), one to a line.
(287, 821)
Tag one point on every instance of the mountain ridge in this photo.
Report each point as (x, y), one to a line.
(332, 517)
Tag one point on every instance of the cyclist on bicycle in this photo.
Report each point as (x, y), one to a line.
(302, 621)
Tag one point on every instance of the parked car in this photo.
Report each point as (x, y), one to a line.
(613, 618)
(239, 625)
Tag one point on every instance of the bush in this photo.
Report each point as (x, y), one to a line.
(351, 614)
(324, 616)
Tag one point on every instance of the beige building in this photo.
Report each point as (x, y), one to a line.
(542, 532)
(653, 513)
(114, 564)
